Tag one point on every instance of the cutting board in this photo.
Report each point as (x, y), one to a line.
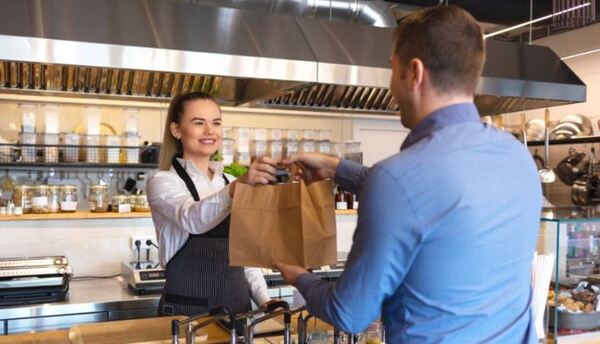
(147, 331)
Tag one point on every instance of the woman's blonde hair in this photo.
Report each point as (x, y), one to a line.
(170, 146)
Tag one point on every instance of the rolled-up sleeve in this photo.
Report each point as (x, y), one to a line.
(350, 175)
(385, 243)
(178, 206)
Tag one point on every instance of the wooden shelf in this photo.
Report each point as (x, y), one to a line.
(84, 215)
(346, 212)
(80, 215)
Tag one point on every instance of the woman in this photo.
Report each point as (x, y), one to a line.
(190, 198)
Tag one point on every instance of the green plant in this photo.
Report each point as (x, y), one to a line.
(235, 169)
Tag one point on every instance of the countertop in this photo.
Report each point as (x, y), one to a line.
(86, 296)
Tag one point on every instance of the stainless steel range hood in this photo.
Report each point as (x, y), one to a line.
(154, 49)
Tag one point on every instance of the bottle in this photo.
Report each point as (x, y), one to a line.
(349, 200)
(340, 201)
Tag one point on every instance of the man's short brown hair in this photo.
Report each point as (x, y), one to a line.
(449, 42)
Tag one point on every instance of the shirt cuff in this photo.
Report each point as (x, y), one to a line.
(349, 175)
(304, 281)
(261, 297)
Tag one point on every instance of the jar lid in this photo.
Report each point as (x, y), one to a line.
(95, 187)
(54, 187)
(23, 187)
(69, 187)
(41, 187)
(120, 198)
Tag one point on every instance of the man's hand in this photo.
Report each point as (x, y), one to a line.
(290, 273)
(319, 166)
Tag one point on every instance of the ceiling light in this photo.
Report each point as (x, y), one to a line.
(580, 54)
(535, 20)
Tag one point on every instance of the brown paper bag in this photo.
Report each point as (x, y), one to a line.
(292, 223)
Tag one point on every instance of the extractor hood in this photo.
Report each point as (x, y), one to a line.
(154, 49)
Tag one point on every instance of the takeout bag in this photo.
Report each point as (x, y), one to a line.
(292, 223)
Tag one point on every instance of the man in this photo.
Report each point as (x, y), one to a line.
(447, 227)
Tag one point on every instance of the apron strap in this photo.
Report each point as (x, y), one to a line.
(187, 180)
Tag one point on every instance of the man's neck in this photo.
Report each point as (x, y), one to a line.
(433, 103)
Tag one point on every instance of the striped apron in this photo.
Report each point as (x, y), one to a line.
(198, 276)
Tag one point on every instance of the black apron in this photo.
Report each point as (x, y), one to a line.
(198, 276)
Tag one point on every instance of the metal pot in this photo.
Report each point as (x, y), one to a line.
(586, 190)
(572, 126)
(572, 167)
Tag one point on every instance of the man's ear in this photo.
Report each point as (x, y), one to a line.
(416, 71)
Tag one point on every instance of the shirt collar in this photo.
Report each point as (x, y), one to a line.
(441, 118)
(190, 167)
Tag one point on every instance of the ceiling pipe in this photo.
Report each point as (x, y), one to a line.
(369, 12)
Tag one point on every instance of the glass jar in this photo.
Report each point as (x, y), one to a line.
(22, 197)
(98, 198)
(68, 198)
(39, 199)
(141, 204)
(53, 198)
(121, 204)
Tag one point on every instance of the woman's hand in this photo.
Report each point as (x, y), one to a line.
(261, 171)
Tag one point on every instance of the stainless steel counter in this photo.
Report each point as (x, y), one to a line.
(89, 300)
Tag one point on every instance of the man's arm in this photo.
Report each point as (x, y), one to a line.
(386, 241)
(350, 175)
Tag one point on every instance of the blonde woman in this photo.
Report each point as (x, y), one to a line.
(190, 198)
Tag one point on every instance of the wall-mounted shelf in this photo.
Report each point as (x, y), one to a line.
(73, 166)
(79, 215)
(86, 215)
(576, 140)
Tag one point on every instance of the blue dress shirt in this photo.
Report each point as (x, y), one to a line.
(445, 238)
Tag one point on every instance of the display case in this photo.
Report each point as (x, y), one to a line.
(573, 236)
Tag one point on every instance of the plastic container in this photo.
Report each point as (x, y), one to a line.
(260, 134)
(276, 150)
(71, 154)
(98, 198)
(141, 204)
(28, 112)
(53, 198)
(39, 199)
(132, 155)
(228, 151)
(22, 197)
(290, 148)
(50, 118)
(92, 154)
(28, 147)
(307, 146)
(259, 148)
(51, 151)
(68, 198)
(292, 135)
(242, 139)
(121, 204)
(112, 151)
(309, 134)
(244, 158)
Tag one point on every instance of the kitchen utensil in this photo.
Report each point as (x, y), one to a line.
(524, 128)
(586, 190)
(572, 126)
(535, 129)
(572, 167)
(547, 174)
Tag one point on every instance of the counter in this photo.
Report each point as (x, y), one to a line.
(89, 300)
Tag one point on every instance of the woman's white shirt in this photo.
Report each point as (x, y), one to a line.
(176, 215)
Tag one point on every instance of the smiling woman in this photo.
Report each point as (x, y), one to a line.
(191, 198)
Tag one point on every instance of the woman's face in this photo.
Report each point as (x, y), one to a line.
(199, 130)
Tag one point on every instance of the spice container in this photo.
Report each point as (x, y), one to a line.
(53, 198)
(141, 204)
(39, 199)
(121, 204)
(71, 154)
(68, 198)
(98, 198)
(22, 197)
